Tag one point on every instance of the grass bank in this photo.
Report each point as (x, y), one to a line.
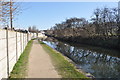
(64, 68)
(20, 68)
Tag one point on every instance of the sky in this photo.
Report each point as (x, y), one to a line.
(44, 15)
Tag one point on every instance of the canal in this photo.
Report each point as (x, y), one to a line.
(100, 62)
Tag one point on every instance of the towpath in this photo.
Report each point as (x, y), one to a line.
(40, 65)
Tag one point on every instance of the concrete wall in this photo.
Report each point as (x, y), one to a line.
(9, 55)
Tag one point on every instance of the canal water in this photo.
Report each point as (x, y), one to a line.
(101, 63)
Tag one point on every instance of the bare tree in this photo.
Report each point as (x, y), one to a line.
(96, 20)
(9, 10)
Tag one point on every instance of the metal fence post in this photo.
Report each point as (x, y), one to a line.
(7, 52)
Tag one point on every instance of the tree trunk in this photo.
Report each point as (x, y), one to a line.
(11, 19)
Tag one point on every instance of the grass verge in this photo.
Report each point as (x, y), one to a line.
(64, 68)
(20, 68)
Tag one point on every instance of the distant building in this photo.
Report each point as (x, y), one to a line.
(41, 35)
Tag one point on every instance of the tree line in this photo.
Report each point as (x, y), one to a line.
(104, 25)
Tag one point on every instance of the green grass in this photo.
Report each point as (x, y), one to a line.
(20, 68)
(63, 66)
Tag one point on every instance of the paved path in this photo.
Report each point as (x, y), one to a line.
(40, 65)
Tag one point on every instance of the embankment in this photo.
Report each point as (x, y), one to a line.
(109, 43)
(64, 67)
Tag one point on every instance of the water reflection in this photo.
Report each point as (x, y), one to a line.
(101, 65)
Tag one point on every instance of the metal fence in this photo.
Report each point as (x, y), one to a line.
(12, 44)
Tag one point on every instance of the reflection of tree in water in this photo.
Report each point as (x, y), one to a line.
(104, 69)
(100, 65)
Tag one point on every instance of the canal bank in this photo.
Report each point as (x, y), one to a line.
(99, 62)
(108, 43)
(63, 65)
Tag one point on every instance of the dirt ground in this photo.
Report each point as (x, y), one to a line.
(40, 65)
